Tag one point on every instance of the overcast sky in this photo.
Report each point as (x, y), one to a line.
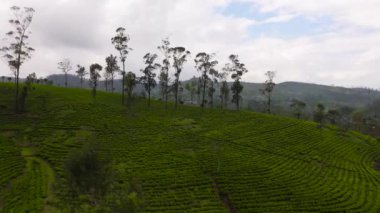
(332, 42)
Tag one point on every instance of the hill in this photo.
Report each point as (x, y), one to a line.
(185, 160)
(311, 94)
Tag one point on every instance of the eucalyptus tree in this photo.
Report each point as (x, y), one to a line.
(111, 68)
(130, 83)
(319, 115)
(106, 76)
(165, 67)
(268, 88)
(120, 41)
(18, 50)
(94, 77)
(65, 66)
(179, 55)
(297, 107)
(148, 79)
(237, 70)
(81, 73)
(199, 89)
(224, 90)
(205, 64)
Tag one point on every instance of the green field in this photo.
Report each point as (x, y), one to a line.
(185, 160)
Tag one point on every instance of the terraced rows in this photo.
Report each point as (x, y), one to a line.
(11, 162)
(28, 191)
(194, 160)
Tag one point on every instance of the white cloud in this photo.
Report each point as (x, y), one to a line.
(82, 29)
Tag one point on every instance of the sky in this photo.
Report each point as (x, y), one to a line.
(331, 42)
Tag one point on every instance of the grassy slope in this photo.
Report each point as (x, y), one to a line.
(189, 159)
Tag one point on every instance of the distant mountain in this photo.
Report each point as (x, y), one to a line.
(311, 94)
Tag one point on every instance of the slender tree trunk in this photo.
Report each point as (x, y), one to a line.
(166, 88)
(112, 82)
(204, 92)
(163, 92)
(106, 84)
(149, 96)
(81, 82)
(123, 82)
(17, 86)
(18, 70)
(94, 90)
(237, 101)
(176, 93)
(269, 103)
(65, 79)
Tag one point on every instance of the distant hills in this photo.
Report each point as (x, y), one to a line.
(311, 94)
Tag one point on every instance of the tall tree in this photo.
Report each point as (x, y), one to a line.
(205, 64)
(268, 88)
(65, 66)
(106, 76)
(224, 90)
(165, 67)
(211, 91)
(120, 41)
(333, 116)
(319, 115)
(94, 77)
(297, 107)
(179, 55)
(81, 73)
(111, 68)
(148, 79)
(130, 83)
(237, 70)
(18, 50)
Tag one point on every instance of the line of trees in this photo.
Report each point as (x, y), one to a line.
(19, 50)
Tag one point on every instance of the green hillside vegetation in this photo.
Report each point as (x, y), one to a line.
(184, 160)
(311, 94)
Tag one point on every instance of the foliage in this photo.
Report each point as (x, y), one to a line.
(165, 67)
(148, 79)
(237, 70)
(81, 73)
(87, 173)
(65, 66)
(18, 51)
(94, 77)
(179, 55)
(171, 160)
(319, 114)
(130, 83)
(297, 107)
(111, 68)
(205, 64)
(120, 42)
(268, 88)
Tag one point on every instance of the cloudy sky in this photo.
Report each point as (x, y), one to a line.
(332, 42)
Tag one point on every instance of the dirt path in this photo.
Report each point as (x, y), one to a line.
(223, 197)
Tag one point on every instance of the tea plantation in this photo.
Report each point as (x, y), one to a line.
(184, 160)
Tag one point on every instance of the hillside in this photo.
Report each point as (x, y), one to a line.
(185, 160)
(311, 94)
